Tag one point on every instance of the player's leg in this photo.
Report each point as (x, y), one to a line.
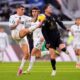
(64, 56)
(36, 52)
(53, 61)
(78, 58)
(26, 55)
(72, 53)
(33, 58)
(2, 54)
(23, 33)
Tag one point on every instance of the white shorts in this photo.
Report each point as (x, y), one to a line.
(76, 44)
(20, 41)
(15, 34)
(37, 44)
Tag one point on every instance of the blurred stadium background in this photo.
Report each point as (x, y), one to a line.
(67, 10)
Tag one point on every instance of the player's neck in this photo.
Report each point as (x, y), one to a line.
(19, 14)
(78, 24)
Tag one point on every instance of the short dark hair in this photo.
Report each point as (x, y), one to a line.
(19, 6)
(34, 8)
(45, 7)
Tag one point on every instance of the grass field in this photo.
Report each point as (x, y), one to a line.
(40, 71)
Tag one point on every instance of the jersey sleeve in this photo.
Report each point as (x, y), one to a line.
(11, 21)
(57, 19)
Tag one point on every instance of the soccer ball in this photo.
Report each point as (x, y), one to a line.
(41, 17)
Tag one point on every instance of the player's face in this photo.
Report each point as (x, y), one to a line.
(49, 9)
(78, 21)
(1, 30)
(35, 13)
(21, 11)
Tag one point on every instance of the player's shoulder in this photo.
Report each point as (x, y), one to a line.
(27, 17)
(5, 33)
(73, 26)
(13, 16)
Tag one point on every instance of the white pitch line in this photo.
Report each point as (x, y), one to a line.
(38, 71)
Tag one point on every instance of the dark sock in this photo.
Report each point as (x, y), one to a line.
(53, 63)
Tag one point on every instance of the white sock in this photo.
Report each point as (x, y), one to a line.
(1, 56)
(43, 53)
(33, 58)
(71, 53)
(64, 56)
(22, 63)
(78, 59)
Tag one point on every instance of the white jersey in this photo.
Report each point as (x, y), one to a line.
(25, 21)
(76, 33)
(3, 40)
(37, 35)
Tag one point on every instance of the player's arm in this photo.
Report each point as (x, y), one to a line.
(13, 24)
(37, 24)
(60, 23)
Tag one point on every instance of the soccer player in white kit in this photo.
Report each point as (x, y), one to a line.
(75, 29)
(38, 40)
(18, 23)
(4, 42)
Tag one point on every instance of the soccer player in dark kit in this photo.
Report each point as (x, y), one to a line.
(51, 34)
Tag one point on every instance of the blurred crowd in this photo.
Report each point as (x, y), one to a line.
(66, 9)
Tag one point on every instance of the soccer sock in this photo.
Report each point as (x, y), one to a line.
(71, 53)
(22, 63)
(78, 59)
(43, 53)
(64, 56)
(53, 63)
(1, 56)
(33, 58)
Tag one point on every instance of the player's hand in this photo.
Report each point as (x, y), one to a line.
(18, 22)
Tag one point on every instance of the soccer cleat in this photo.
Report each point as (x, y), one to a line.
(53, 73)
(19, 72)
(26, 72)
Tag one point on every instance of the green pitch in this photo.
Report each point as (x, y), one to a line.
(40, 71)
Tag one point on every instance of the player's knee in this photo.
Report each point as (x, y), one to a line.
(27, 56)
(63, 49)
(22, 33)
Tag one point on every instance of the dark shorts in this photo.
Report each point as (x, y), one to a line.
(55, 43)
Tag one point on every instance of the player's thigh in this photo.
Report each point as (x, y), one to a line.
(24, 45)
(15, 34)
